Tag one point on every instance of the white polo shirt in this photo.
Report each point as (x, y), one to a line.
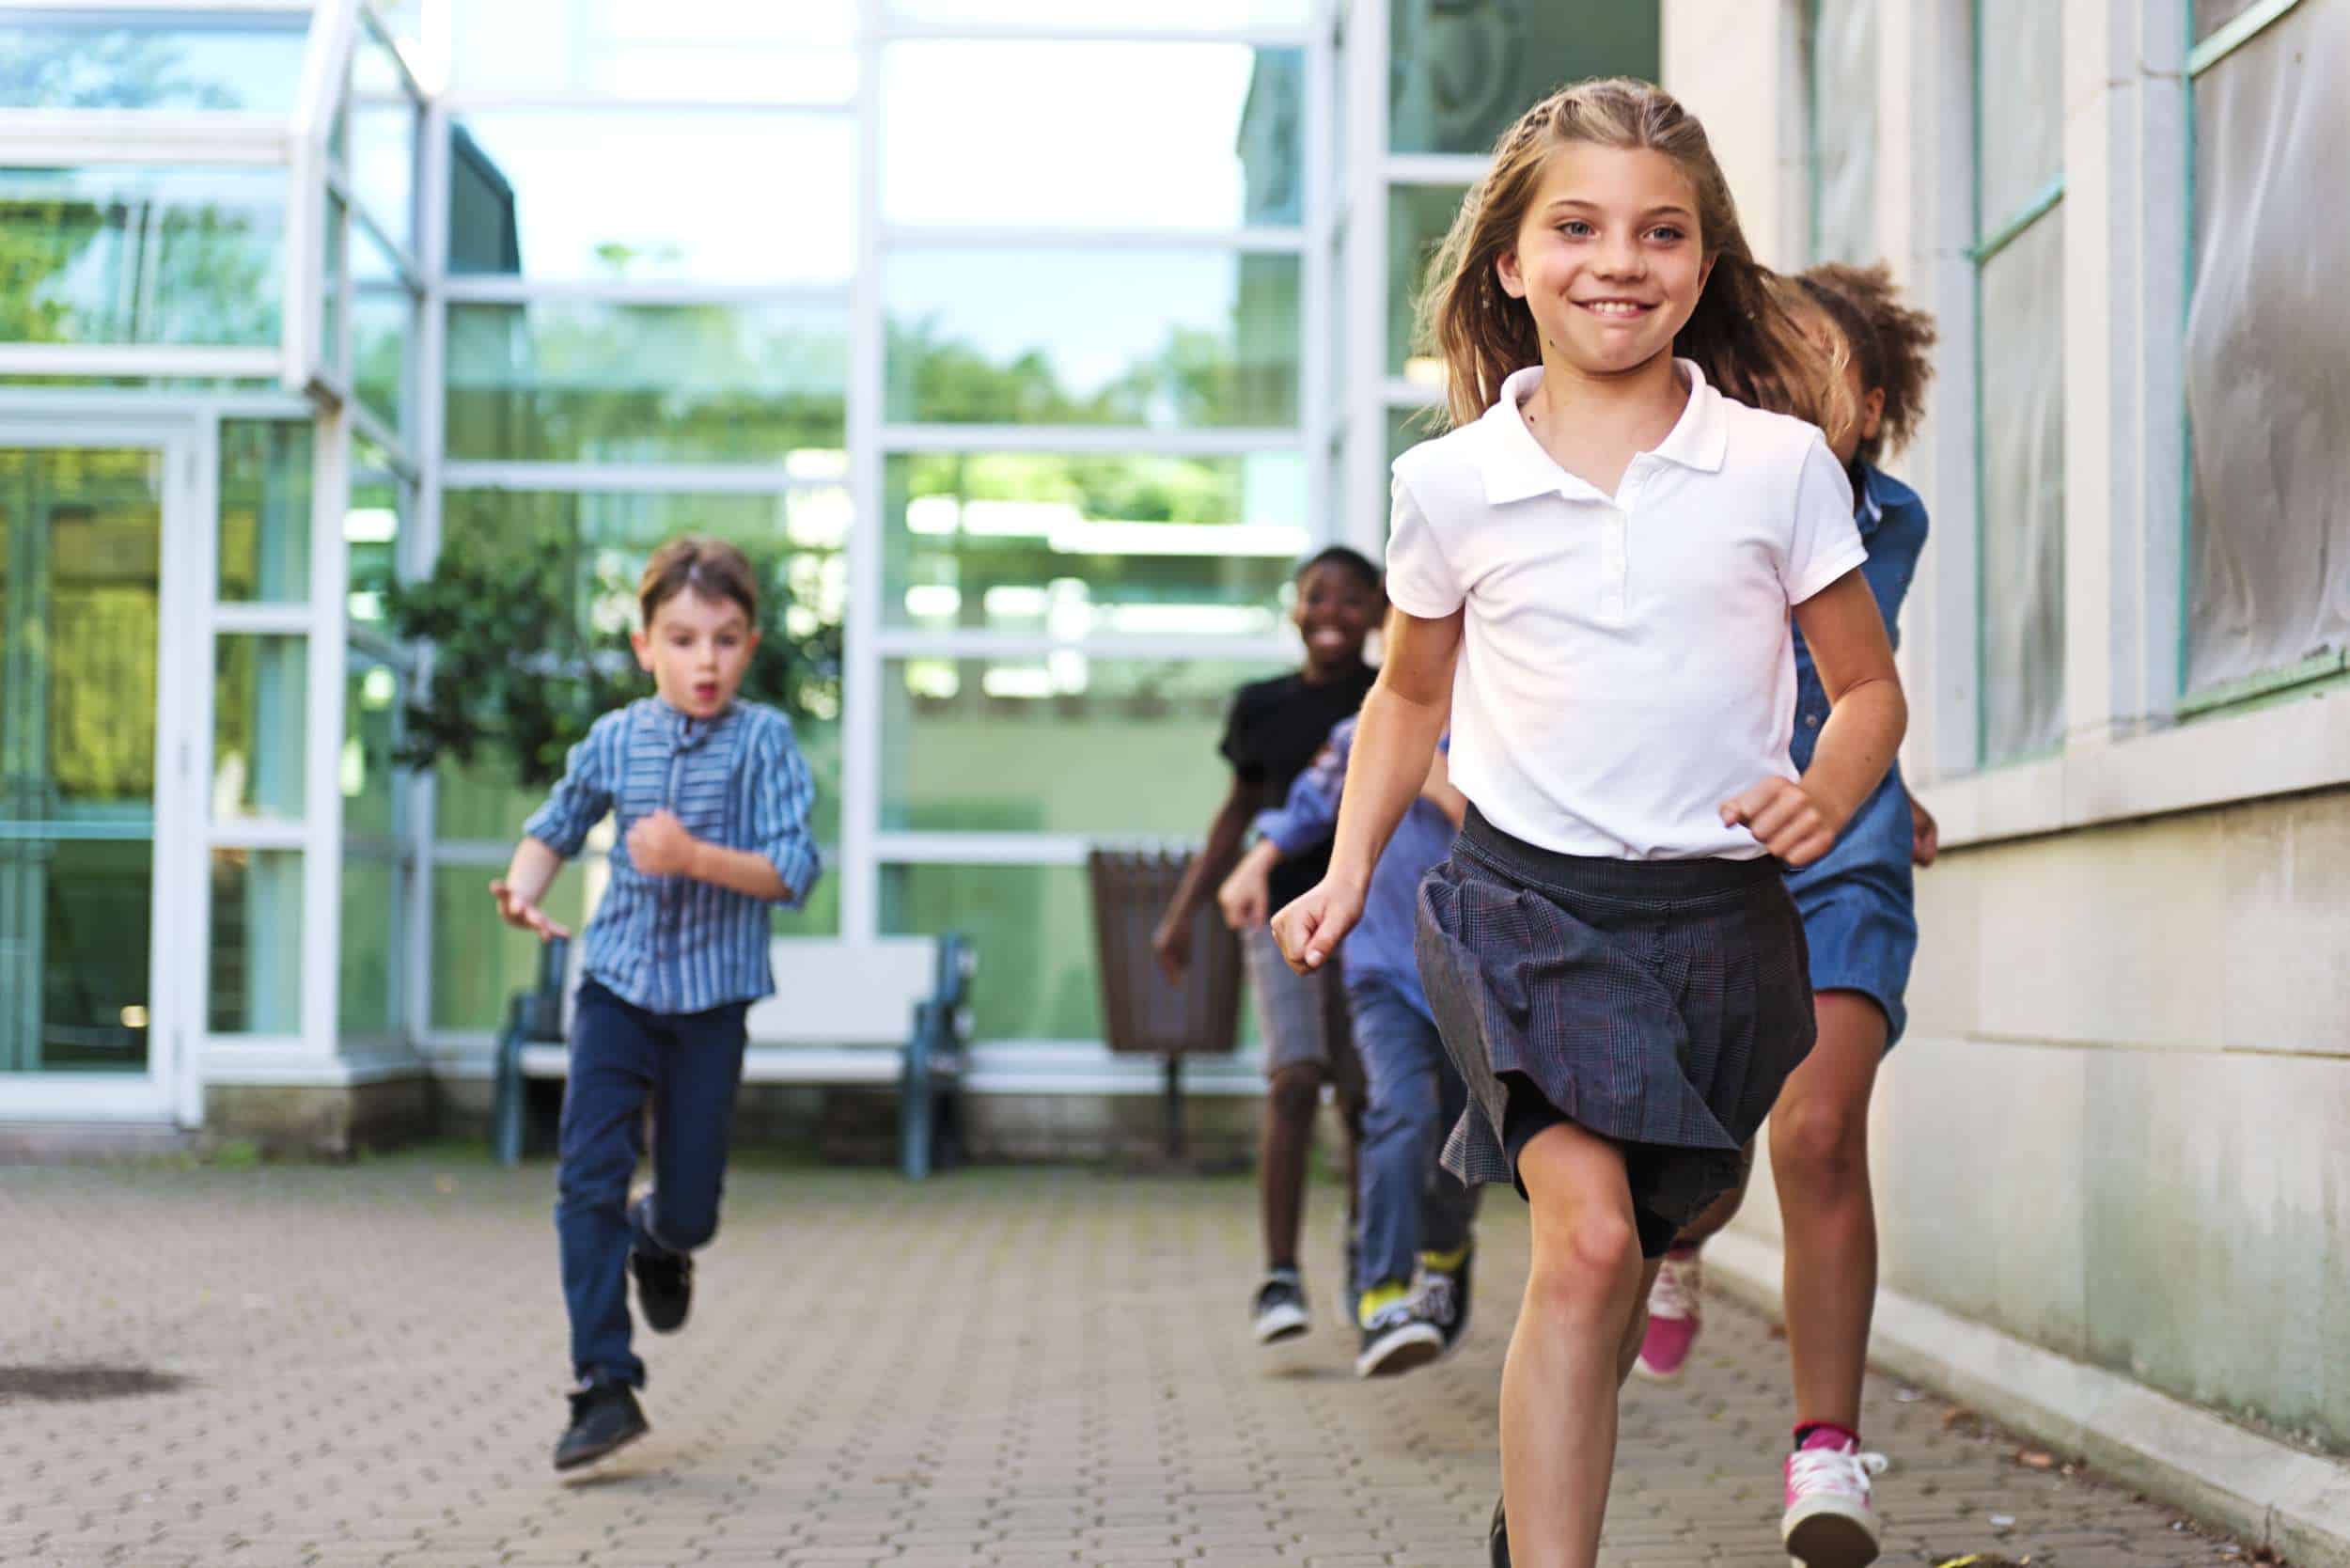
(1627, 664)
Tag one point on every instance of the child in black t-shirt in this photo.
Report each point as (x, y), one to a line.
(1274, 729)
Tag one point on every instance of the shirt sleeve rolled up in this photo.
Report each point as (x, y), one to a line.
(583, 795)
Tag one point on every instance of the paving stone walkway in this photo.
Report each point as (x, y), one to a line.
(365, 1366)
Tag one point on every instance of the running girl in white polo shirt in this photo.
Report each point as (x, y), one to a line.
(1598, 565)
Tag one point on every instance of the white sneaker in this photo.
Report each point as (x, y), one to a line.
(1830, 1521)
(1676, 1306)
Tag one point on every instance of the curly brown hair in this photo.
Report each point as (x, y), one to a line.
(1741, 333)
(1891, 342)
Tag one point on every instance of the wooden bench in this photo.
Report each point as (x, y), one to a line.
(890, 1013)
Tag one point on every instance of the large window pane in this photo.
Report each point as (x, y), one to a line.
(371, 530)
(1463, 73)
(1055, 742)
(260, 708)
(256, 942)
(384, 123)
(1844, 109)
(1162, 338)
(600, 541)
(374, 939)
(1074, 546)
(1209, 134)
(2023, 494)
(2267, 341)
(638, 196)
(687, 51)
(372, 796)
(1418, 218)
(382, 324)
(645, 384)
(252, 64)
(478, 961)
(2019, 104)
(265, 512)
(1206, 15)
(142, 256)
(1033, 928)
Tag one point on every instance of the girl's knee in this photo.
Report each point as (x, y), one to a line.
(1816, 1142)
(1594, 1268)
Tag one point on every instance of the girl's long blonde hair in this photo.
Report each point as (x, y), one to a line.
(1742, 335)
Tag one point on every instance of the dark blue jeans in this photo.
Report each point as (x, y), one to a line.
(689, 1065)
(1410, 1203)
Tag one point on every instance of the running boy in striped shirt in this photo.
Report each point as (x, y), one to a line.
(713, 799)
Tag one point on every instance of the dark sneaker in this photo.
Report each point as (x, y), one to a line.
(605, 1418)
(1444, 1297)
(1398, 1338)
(665, 1289)
(1497, 1538)
(1280, 1309)
(664, 1280)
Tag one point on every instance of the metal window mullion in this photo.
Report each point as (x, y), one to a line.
(185, 687)
(707, 479)
(460, 101)
(1364, 494)
(860, 717)
(1012, 32)
(404, 262)
(246, 619)
(1317, 397)
(322, 869)
(1259, 240)
(2018, 224)
(982, 849)
(910, 642)
(509, 289)
(2236, 33)
(72, 138)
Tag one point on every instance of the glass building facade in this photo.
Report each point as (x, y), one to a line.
(1039, 340)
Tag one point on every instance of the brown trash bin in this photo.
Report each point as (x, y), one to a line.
(1142, 1013)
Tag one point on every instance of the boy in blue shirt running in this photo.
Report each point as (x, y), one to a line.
(1415, 1214)
(713, 799)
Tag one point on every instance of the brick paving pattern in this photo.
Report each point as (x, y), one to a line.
(364, 1366)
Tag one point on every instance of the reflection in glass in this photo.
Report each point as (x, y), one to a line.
(264, 512)
(1843, 114)
(1035, 924)
(2023, 494)
(260, 717)
(256, 942)
(333, 295)
(109, 255)
(1418, 217)
(2019, 105)
(1465, 70)
(374, 941)
(1166, 338)
(383, 164)
(383, 325)
(1209, 134)
(1072, 546)
(1054, 743)
(645, 384)
(371, 528)
(706, 50)
(249, 64)
(638, 196)
(81, 536)
(370, 736)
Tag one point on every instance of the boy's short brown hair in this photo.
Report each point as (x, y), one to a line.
(697, 564)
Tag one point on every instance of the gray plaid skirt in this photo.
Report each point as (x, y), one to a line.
(1658, 1003)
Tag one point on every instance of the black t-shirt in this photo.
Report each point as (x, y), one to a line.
(1274, 729)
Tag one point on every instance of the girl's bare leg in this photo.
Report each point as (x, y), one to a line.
(1568, 1354)
(1820, 1155)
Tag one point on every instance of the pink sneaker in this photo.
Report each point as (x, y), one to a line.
(1830, 1522)
(1675, 1310)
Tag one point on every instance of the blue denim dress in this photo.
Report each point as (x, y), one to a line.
(1858, 904)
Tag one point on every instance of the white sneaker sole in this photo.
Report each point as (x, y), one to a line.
(1641, 1370)
(1400, 1352)
(1279, 1324)
(1830, 1532)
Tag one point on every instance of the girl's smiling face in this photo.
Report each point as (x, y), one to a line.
(1335, 613)
(1608, 257)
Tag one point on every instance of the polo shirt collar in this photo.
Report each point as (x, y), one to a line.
(1516, 466)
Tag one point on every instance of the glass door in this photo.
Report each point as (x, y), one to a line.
(83, 630)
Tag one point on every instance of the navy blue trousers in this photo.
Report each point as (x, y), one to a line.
(688, 1066)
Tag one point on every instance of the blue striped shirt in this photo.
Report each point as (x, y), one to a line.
(670, 944)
